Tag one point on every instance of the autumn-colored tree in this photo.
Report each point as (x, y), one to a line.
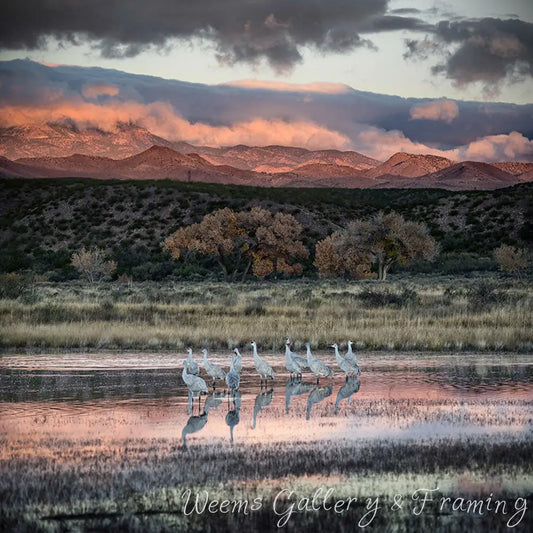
(510, 259)
(381, 240)
(244, 240)
(93, 265)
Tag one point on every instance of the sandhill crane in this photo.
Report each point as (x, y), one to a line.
(315, 396)
(214, 371)
(232, 377)
(291, 364)
(263, 368)
(349, 368)
(350, 355)
(195, 384)
(194, 369)
(295, 388)
(261, 401)
(302, 361)
(317, 367)
(351, 386)
(238, 360)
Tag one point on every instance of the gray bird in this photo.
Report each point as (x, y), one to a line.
(213, 371)
(238, 360)
(346, 365)
(194, 369)
(233, 378)
(317, 367)
(263, 368)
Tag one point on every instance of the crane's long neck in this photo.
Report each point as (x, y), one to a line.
(232, 366)
(184, 374)
(287, 352)
(310, 356)
(337, 354)
(254, 348)
(190, 356)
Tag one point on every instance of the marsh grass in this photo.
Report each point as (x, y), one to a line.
(142, 478)
(425, 314)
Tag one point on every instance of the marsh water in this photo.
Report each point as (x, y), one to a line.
(118, 401)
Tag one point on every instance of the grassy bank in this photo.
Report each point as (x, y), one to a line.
(414, 314)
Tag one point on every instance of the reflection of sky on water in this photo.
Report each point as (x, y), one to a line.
(141, 396)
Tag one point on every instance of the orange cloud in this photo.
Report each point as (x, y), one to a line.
(442, 109)
(313, 87)
(160, 119)
(99, 89)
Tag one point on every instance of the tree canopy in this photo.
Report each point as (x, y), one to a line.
(382, 240)
(239, 241)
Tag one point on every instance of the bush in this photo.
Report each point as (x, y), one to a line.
(372, 297)
(13, 285)
(483, 296)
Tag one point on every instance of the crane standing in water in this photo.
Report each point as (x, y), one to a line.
(194, 369)
(195, 384)
(346, 365)
(214, 371)
(263, 368)
(233, 379)
(317, 367)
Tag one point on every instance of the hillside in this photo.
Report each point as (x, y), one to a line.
(43, 221)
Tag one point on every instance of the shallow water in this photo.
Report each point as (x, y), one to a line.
(110, 442)
(112, 396)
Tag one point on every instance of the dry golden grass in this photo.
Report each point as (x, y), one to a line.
(436, 314)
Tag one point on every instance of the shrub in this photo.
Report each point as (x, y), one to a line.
(12, 285)
(372, 297)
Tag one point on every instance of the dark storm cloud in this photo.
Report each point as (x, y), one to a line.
(488, 50)
(274, 30)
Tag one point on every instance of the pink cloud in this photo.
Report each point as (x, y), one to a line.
(160, 119)
(313, 87)
(443, 109)
(511, 147)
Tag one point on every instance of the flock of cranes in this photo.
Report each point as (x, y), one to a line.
(294, 363)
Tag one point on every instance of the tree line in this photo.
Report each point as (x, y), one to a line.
(259, 242)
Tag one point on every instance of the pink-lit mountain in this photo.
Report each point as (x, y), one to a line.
(135, 153)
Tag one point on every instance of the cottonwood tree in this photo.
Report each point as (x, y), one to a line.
(244, 240)
(382, 240)
(93, 265)
(510, 259)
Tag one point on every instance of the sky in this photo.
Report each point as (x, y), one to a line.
(463, 67)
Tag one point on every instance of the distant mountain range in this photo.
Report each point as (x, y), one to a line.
(54, 150)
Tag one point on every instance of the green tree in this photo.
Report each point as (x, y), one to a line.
(244, 240)
(382, 240)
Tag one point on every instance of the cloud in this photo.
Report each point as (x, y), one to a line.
(94, 90)
(442, 109)
(489, 51)
(259, 113)
(511, 147)
(381, 144)
(160, 119)
(271, 30)
(314, 87)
